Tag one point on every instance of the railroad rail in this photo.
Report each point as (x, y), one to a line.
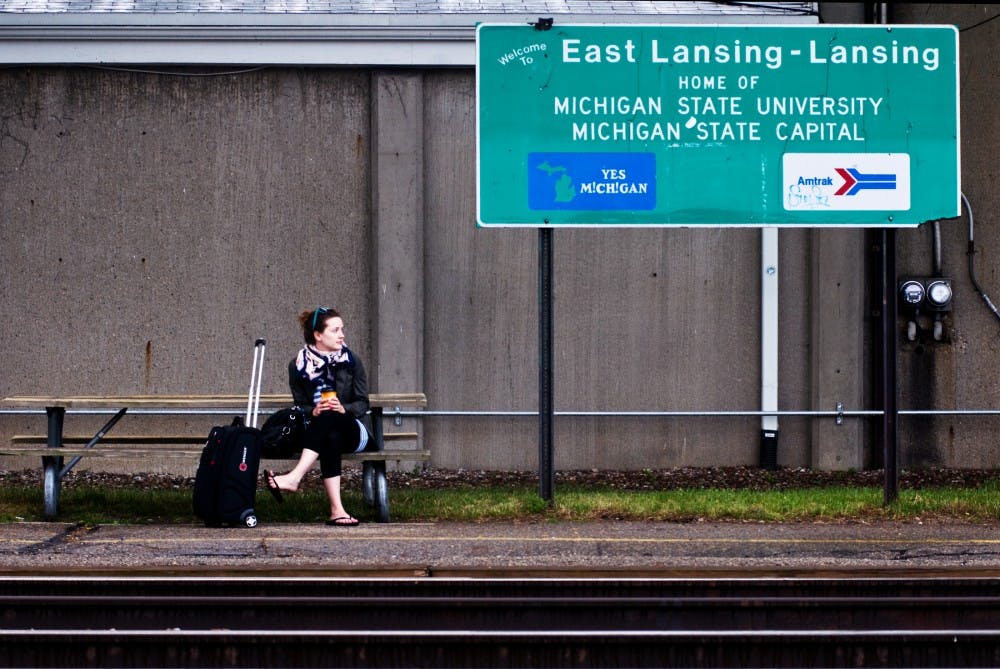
(929, 620)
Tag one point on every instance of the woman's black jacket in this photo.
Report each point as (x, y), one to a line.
(349, 380)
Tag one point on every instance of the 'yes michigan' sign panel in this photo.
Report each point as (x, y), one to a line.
(717, 125)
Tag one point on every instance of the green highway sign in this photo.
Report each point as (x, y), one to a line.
(669, 125)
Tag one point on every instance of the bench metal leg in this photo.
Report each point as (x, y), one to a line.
(380, 489)
(367, 483)
(96, 438)
(375, 488)
(51, 482)
(52, 466)
(375, 485)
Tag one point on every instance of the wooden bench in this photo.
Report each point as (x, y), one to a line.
(54, 446)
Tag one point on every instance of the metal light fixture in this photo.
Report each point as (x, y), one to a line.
(912, 292)
(939, 294)
(925, 299)
(927, 294)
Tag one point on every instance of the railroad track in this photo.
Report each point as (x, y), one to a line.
(913, 621)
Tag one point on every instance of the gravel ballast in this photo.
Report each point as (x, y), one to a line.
(741, 478)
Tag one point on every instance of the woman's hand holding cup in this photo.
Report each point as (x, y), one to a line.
(329, 402)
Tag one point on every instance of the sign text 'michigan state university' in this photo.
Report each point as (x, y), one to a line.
(717, 125)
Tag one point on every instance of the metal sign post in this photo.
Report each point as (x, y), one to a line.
(890, 408)
(546, 469)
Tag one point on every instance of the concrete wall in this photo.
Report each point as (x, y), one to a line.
(155, 224)
(961, 371)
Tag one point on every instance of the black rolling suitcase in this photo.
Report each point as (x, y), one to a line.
(225, 487)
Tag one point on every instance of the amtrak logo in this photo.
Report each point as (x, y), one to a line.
(846, 181)
(855, 181)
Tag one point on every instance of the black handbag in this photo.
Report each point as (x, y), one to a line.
(282, 433)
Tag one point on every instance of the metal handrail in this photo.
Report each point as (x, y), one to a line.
(412, 413)
(633, 414)
(158, 412)
(832, 413)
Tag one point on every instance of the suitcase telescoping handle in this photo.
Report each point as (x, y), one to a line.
(256, 375)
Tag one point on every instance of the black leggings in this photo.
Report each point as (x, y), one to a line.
(331, 434)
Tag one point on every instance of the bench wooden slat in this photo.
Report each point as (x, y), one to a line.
(111, 439)
(96, 452)
(267, 401)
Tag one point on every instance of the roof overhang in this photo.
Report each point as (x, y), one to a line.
(299, 39)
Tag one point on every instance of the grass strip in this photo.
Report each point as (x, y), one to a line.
(96, 505)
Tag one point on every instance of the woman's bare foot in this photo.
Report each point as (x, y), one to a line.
(284, 483)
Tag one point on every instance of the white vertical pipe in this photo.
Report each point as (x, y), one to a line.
(769, 327)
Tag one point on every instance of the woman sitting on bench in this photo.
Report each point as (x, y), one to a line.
(328, 381)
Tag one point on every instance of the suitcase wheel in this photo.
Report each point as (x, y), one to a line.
(249, 518)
